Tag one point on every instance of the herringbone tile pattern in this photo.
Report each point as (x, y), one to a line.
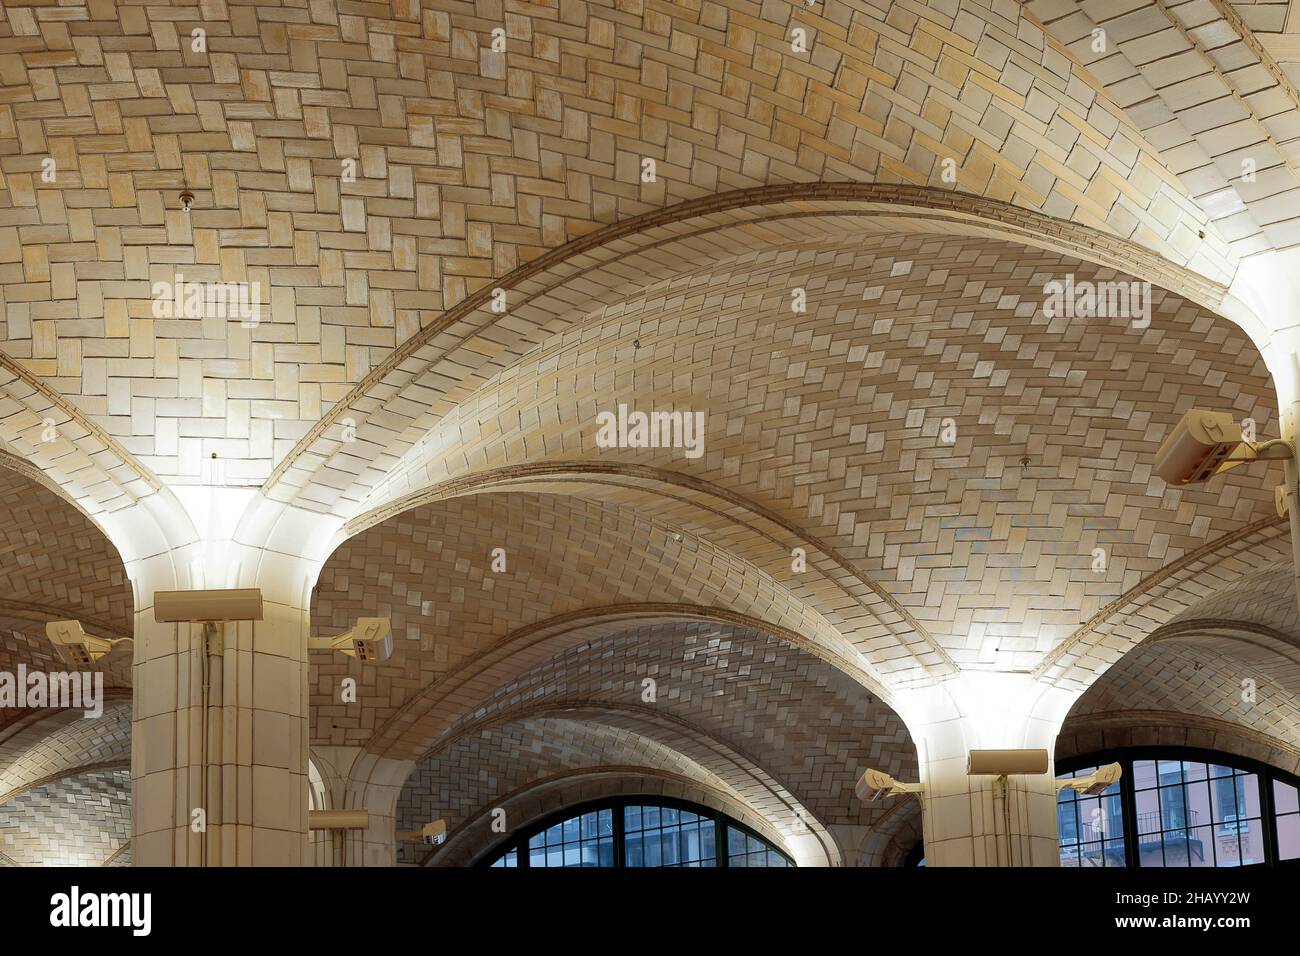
(369, 167)
(81, 820)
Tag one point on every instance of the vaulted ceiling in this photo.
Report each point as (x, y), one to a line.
(458, 264)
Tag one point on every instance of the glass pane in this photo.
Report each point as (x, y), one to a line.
(1144, 774)
(1148, 811)
(735, 841)
(1248, 795)
(708, 840)
(1173, 808)
(1114, 853)
(653, 850)
(1223, 799)
(1170, 772)
(1176, 849)
(1252, 842)
(1200, 848)
(1288, 837)
(1198, 803)
(1286, 799)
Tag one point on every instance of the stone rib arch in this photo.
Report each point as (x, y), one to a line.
(58, 743)
(1158, 598)
(474, 840)
(578, 261)
(744, 773)
(696, 493)
(1203, 682)
(891, 839)
(1086, 733)
(421, 723)
(1039, 407)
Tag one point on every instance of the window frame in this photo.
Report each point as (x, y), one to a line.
(518, 841)
(1126, 756)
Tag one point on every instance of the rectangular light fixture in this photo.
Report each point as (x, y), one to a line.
(1000, 762)
(233, 604)
(338, 819)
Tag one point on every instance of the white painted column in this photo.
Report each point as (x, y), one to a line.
(983, 820)
(220, 732)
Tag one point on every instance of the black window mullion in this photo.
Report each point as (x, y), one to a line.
(1128, 813)
(620, 835)
(1268, 820)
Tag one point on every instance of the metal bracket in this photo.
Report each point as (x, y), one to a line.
(215, 637)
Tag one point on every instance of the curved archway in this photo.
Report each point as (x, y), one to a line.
(533, 802)
(636, 831)
(907, 209)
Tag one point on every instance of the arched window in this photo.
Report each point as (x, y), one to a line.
(1180, 807)
(637, 832)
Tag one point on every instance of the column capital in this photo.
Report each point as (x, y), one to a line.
(986, 821)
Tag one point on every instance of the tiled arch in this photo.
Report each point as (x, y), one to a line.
(559, 287)
(471, 842)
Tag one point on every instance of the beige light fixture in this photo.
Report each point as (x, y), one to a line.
(192, 607)
(1002, 763)
(338, 819)
(874, 784)
(369, 641)
(77, 647)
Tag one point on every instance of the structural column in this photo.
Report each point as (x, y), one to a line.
(986, 820)
(356, 779)
(1262, 301)
(220, 730)
(220, 740)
